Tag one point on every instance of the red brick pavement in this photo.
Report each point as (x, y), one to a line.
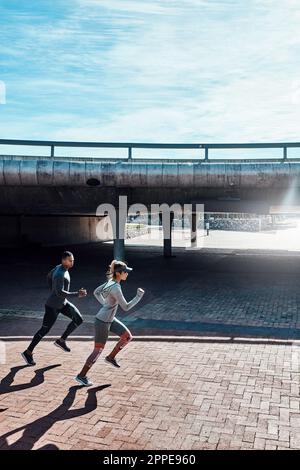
(166, 395)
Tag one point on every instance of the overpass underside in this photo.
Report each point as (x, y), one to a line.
(63, 200)
(65, 195)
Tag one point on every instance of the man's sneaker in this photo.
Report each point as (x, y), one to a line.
(83, 381)
(28, 358)
(112, 361)
(62, 344)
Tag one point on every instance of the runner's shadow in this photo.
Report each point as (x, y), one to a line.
(38, 379)
(35, 430)
(48, 447)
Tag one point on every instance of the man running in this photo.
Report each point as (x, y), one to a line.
(59, 283)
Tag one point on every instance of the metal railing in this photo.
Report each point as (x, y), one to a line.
(52, 145)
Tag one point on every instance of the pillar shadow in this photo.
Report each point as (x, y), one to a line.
(36, 429)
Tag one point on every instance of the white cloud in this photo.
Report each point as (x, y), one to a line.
(2, 92)
(204, 79)
(156, 7)
(167, 70)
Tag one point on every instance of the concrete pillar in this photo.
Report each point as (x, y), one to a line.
(119, 236)
(119, 249)
(193, 225)
(194, 220)
(273, 217)
(167, 221)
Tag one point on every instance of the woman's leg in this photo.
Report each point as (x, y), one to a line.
(101, 335)
(98, 348)
(125, 335)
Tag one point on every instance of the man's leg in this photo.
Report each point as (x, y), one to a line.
(123, 332)
(49, 319)
(70, 311)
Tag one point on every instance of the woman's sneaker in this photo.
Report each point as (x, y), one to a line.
(112, 361)
(83, 381)
(28, 358)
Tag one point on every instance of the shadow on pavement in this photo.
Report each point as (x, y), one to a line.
(35, 430)
(38, 379)
(48, 447)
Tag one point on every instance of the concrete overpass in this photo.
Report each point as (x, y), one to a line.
(45, 188)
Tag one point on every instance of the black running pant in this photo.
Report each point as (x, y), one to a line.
(50, 317)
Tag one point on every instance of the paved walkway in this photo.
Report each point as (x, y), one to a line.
(200, 393)
(167, 395)
(226, 292)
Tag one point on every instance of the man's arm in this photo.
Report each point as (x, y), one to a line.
(58, 287)
(49, 278)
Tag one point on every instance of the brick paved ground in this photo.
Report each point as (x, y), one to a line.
(167, 395)
(226, 292)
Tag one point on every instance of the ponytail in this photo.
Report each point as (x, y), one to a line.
(114, 265)
(111, 270)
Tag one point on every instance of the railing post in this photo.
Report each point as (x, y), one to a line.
(206, 154)
(129, 153)
(284, 153)
(52, 151)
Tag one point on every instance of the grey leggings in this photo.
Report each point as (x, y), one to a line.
(101, 334)
(102, 329)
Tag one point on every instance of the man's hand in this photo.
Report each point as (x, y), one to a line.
(140, 291)
(82, 292)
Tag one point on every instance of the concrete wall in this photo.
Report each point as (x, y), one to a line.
(53, 230)
(9, 231)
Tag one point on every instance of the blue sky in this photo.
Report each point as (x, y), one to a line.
(150, 71)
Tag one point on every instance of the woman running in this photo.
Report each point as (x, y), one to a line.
(110, 296)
